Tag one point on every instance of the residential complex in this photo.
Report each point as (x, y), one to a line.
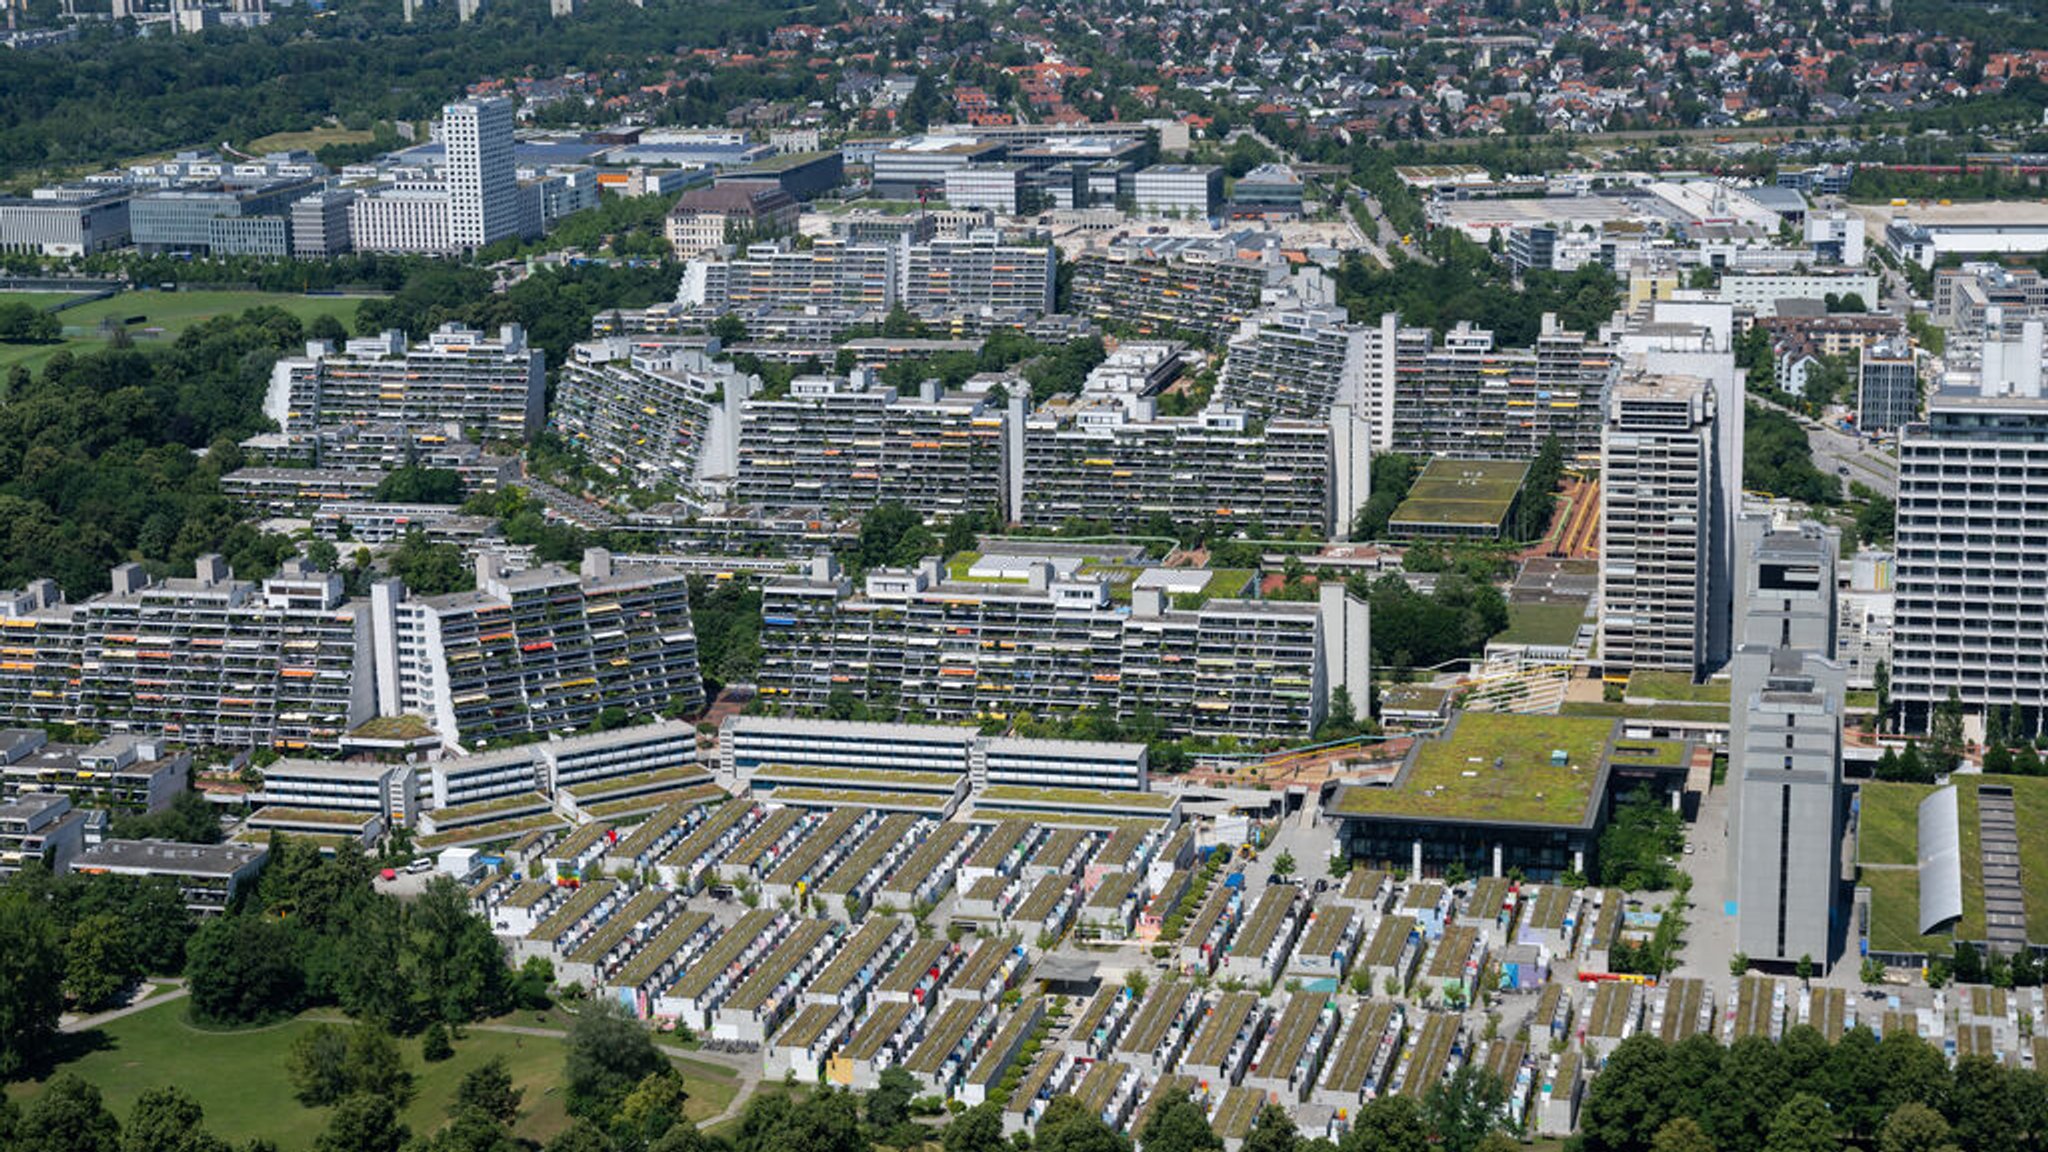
(1161, 295)
(1050, 640)
(652, 411)
(1297, 362)
(1656, 525)
(493, 388)
(1462, 396)
(544, 650)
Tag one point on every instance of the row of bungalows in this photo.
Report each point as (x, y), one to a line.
(1550, 1021)
(642, 848)
(487, 821)
(1060, 852)
(930, 870)
(1559, 1092)
(1434, 1049)
(698, 989)
(1261, 946)
(880, 1041)
(639, 982)
(952, 1037)
(1000, 852)
(1002, 1051)
(1681, 1006)
(1161, 901)
(1832, 1011)
(988, 971)
(1043, 907)
(1111, 911)
(1490, 906)
(1611, 1013)
(773, 987)
(1161, 1027)
(849, 891)
(513, 906)
(1294, 1048)
(1430, 904)
(1233, 1113)
(687, 865)
(586, 909)
(1508, 1060)
(579, 855)
(807, 1042)
(1112, 1091)
(868, 952)
(778, 830)
(1601, 918)
(1100, 1024)
(1450, 977)
(1206, 937)
(1370, 890)
(1329, 941)
(812, 858)
(640, 919)
(1391, 957)
(1549, 915)
(1225, 1039)
(1361, 1067)
(1756, 1007)
(1049, 1076)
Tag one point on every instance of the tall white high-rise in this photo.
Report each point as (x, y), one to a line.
(483, 182)
(1656, 530)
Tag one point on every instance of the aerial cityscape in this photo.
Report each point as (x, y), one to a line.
(629, 576)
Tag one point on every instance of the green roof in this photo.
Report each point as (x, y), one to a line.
(407, 727)
(1495, 766)
(1549, 624)
(1462, 492)
(1077, 797)
(1676, 688)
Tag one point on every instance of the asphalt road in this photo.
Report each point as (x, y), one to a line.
(1844, 455)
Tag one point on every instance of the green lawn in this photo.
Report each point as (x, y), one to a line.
(311, 140)
(1888, 828)
(2030, 818)
(1550, 625)
(1702, 713)
(239, 1077)
(172, 312)
(37, 299)
(1462, 492)
(1889, 834)
(1676, 688)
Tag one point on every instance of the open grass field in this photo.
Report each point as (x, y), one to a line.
(239, 1077)
(1455, 775)
(170, 312)
(311, 140)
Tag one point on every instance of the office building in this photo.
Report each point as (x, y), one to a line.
(183, 219)
(249, 236)
(319, 224)
(1887, 387)
(958, 647)
(1657, 457)
(207, 659)
(1964, 294)
(545, 650)
(707, 219)
(1183, 191)
(980, 274)
(1785, 834)
(1270, 191)
(831, 274)
(848, 445)
(491, 388)
(1296, 362)
(651, 411)
(916, 168)
(1462, 396)
(1971, 612)
(481, 174)
(999, 188)
(411, 217)
(1160, 295)
(1836, 236)
(65, 221)
(1789, 588)
(209, 876)
(1116, 460)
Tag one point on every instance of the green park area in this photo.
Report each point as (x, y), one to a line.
(239, 1076)
(1548, 624)
(153, 318)
(1497, 766)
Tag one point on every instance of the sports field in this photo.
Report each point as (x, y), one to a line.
(239, 1077)
(157, 317)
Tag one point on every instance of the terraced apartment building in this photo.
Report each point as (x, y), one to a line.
(1115, 459)
(1055, 642)
(1461, 395)
(545, 650)
(979, 274)
(831, 274)
(492, 388)
(206, 659)
(848, 444)
(649, 410)
(1296, 362)
(1162, 295)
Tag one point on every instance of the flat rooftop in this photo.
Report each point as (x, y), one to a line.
(167, 856)
(1496, 767)
(1462, 492)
